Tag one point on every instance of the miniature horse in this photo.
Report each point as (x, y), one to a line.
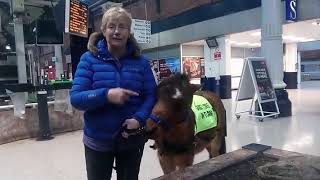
(172, 124)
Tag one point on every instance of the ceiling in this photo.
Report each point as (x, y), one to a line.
(292, 33)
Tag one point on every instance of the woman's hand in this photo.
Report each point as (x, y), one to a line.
(119, 95)
(130, 124)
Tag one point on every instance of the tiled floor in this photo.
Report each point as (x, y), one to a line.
(62, 158)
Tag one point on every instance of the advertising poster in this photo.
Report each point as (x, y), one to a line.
(202, 67)
(192, 66)
(155, 66)
(263, 80)
(165, 67)
(168, 67)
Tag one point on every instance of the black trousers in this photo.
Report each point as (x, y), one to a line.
(99, 164)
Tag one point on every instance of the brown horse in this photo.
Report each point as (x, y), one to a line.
(172, 124)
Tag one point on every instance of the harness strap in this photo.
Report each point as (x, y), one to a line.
(158, 120)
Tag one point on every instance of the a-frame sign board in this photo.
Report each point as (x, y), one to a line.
(254, 84)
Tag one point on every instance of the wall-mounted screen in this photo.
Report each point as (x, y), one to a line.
(76, 18)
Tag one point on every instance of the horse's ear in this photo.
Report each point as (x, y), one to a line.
(195, 87)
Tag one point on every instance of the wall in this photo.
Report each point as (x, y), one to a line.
(233, 23)
(238, 52)
(167, 8)
(163, 52)
(246, 20)
(308, 46)
(290, 58)
(193, 50)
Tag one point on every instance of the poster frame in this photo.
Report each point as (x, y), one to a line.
(247, 85)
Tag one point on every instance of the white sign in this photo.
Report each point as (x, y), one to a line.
(141, 30)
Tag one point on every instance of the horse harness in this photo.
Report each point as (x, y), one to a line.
(166, 125)
(169, 147)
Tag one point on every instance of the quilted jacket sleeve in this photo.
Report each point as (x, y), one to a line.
(82, 96)
(149, 90)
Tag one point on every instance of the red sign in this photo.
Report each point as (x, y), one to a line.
(217, 55)
(51, 73)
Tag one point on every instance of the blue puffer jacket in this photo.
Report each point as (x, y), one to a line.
(96, 74)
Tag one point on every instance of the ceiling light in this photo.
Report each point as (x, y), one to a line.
(254, 44)
(245, 44)
(293, 38)
(8, 47)
(288, 37)
(256, 34)
(242, 43)
(309, 40)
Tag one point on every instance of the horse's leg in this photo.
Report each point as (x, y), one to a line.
(214, 146)
(166, 163)
(184, 160)
(200, 145)
(209, 150)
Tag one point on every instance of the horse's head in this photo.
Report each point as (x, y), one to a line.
(174, 100)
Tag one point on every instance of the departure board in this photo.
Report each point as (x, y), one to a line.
(76, 18)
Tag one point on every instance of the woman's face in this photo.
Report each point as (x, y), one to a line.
(117, 32)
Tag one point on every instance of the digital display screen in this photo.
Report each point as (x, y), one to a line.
(77, 18)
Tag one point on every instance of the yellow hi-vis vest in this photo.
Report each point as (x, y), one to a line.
(206, 117)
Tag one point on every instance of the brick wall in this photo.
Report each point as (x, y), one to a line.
(168, 8)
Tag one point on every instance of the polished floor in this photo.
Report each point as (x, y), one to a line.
(62, 158)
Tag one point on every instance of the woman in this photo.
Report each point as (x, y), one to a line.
(115, 87)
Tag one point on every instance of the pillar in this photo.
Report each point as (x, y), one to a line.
(58, 61)
(272, 50)
(211, 70)
(20, 50)
(217, 69)
(224, 66)
(19, 109)
(299, 67)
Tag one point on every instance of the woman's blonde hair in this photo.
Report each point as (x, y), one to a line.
(112, 12)
(115, 12)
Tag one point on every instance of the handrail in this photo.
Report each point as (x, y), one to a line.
(33, 105)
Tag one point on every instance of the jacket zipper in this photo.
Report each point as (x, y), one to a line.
(118, 66)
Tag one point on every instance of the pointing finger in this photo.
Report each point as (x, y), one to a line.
(130, 93)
